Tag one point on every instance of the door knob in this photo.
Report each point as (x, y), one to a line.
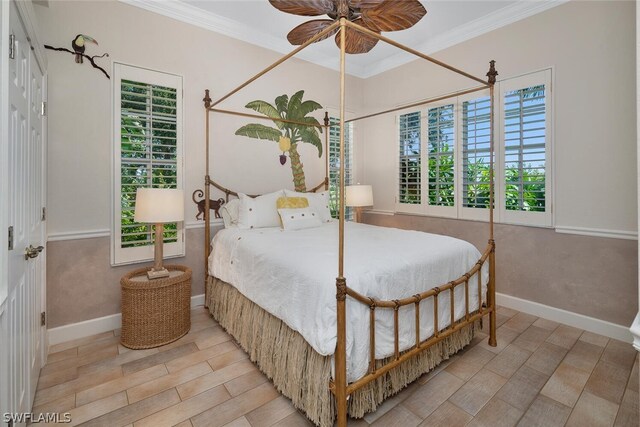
(32, 252)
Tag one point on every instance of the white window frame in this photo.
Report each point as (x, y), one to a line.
(335, 114)
(501, 214)
(119, 255)
(540, 219)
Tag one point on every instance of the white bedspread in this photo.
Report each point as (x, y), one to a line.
(291, 274)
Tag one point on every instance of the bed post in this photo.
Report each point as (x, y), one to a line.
(491, 299)
(341, 282)
(207, 229)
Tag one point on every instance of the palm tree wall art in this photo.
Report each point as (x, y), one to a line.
(287, 135)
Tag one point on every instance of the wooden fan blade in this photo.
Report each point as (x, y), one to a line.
(304, 32)
(304, 7)
(364, 4)
(356, 42)
(394, 15)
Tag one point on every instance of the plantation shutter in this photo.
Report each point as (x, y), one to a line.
(409, 168)
(441, 156)
(476, 152)
(149, 153)
(334, 165)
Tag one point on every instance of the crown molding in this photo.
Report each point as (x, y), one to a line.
(184, 12)
(498, 19)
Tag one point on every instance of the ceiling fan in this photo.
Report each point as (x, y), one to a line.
(375, 15)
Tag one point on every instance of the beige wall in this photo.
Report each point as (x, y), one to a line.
(592, 276)
(590, 46)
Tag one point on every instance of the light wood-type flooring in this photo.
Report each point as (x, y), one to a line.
(541, 374)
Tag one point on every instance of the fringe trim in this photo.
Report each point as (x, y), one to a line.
(299, 372)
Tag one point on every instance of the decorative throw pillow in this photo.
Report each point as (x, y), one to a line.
(319, 202)
(299, 218)
(292, 202)
(229, 213)
(259, 212)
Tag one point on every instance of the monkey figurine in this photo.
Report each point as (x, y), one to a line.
(213, 204)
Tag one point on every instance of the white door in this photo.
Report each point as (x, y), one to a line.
(26, 195)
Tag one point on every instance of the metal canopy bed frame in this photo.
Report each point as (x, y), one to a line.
(338, 386)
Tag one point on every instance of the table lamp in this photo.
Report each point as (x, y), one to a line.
(358, 196)
(159, 206)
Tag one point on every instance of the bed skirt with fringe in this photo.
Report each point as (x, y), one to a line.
(298, 371)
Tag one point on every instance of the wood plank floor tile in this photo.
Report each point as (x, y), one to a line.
(236, 407)
(531, 338)
(592, 411)
(82, 383)
(447, 414)
(594, 339)
(200, 356)
(509, 312)
(80, 341)
(473, 395)
(136, 411)
(398, 417)
(167, 382)
(158, 358)
(217, 337)
(429, 396)
(566, 384)
(507, 362)
(62, 405)
(120, 384)
(634, 378)
(385, 407)
(545, 412)
(226, 359)
(193, 335)
(523, 387)
(57, 377)
(520, 322)
(546, 358)
(239, 422)
(620, 353)
(84, 413)
(271, 412)
(294, 420)
(629, 412)
(608, 381)
(583, 355)
(565, 336)
(546, 324)
(504, 336)
(245, 382)
(185, 423)
(98, 345)
(119, 360)
(214, 379)
(466, 364)
(62, 355)
(81, 360)
(184, 410)
(496, 413)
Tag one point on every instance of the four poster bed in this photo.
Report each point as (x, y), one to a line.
(413, 298)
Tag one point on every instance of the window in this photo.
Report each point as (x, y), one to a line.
(334, 165)
(148, 153)
(458, 155)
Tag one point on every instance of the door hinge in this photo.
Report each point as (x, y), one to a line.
(44, 108)
(12, 46)
(10, 238)
(44, 214)
(43, 318)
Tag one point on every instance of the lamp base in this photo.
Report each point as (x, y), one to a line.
(157, 274)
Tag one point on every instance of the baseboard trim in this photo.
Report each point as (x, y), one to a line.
(97, 326)
(635, 331)
(591, 324)
(597, 232)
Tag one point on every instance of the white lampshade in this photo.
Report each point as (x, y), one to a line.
(359, 195)
(159, 205)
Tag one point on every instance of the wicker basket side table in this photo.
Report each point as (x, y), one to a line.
(155, 312)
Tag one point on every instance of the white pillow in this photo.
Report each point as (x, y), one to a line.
(319, 202)
(260, 211)
(299, 219)
(230, 212)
